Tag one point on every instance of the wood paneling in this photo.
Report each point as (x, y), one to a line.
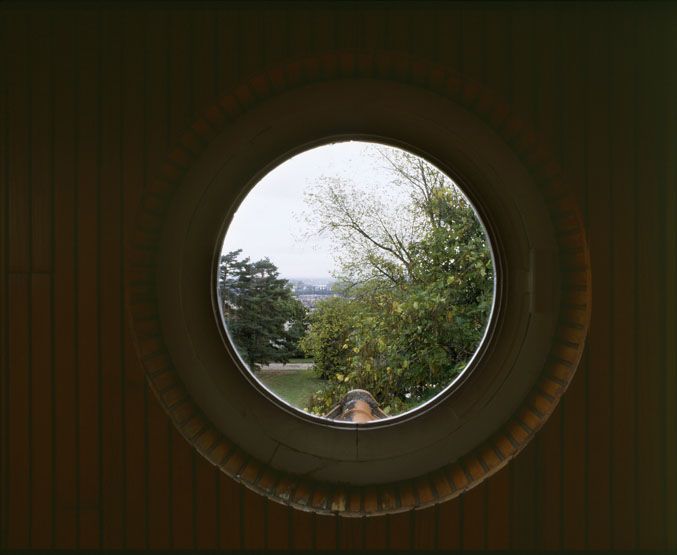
(622, 314)
(669, 147)
(133, 163)
(91, 101)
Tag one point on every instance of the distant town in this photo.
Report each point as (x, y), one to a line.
(310, 290)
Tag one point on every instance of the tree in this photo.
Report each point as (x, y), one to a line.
(262, 315)
(417, 280)
(332, 326)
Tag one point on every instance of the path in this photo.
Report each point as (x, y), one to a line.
(279, 368)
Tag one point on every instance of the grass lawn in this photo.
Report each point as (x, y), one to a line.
(293, 387)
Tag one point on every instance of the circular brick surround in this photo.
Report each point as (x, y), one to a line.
(455, 477)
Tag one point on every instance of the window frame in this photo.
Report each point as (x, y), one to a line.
(370, 468)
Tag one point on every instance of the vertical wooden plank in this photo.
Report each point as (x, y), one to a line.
(4, 290)
(302, 530)
(323, 27)
(550, 500)
(179, 59)
(573, 156)
(19, 530)
(41, 428)
(497, 49)
(203, 63)
(40, 106)
(523, 499)
(273, 22)
(134, 135)
(206, 506)
(228, 58)
(351, 534)
(397, 30)
(41, 266)
(298, 39)
(598, 526)
(473, 518)
(326, 537)
(449, 525)
(278, 517)
(158, 427)
(449, 38)
(401, 531)
(425, 529)
(230, 513)
(87, 279)
(623, 143)
(422, 43)
(375, 28)
(18, 308)
(549, 45)
(20, 143)
(670, 278)
(65, 376)
(472, 43)
(498, 511)
(253, 524)
(182, 488)
(649, 177)
(348, 28)
(375, 533)
(249, 47)
(41, 403)
(111, 248)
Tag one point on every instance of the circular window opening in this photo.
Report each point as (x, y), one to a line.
(355, 282)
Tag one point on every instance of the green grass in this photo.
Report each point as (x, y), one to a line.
(294, 387)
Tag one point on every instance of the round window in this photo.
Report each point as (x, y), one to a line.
(420, 325)
(355, 282)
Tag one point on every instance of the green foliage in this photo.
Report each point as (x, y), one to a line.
(263, 317)
(332, 325)
(417, 292)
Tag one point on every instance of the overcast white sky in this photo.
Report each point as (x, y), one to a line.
(270, 221)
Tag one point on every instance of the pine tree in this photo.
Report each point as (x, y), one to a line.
(264, 319)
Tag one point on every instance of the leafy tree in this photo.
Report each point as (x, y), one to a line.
(332, 327)
(417, 280)
(263, 317)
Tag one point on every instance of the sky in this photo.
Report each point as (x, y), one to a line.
(270, 223)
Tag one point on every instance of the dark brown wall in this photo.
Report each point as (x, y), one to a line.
(91, 101)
